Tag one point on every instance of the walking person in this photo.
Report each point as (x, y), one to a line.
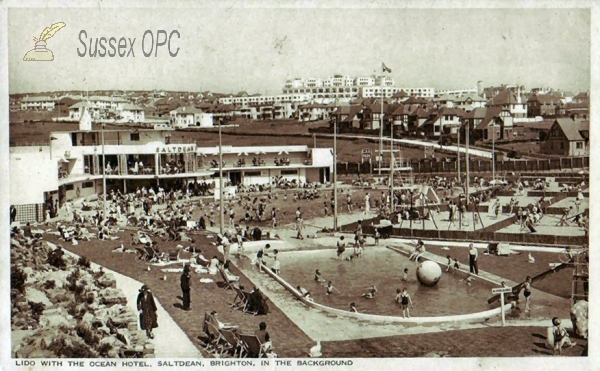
(341, 247)
(405, 301)
(13, 214)
(527, 293)
(185, 287)
(147, 309)
(473, 260)
(367, 204)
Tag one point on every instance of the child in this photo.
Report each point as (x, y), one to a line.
(317, 274)
(405, 275)
(330, 288)
(371, 293)
(405, 301)
(341, 247)
(456, 265)
(377, 235)
(449, 263)
(353, 307)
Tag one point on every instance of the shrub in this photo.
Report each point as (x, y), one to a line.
(86, 334)
(17, 279)
(49, 284)
(73, 278)
(83, 262)
(75, 350)
(36, 310)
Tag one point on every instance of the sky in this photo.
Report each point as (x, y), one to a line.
(232, 49)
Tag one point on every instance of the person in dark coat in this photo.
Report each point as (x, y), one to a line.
(185, 287)
(147, 309)
(13, 214)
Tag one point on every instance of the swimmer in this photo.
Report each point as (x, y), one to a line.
(353, 307)
(317, 278)
(371, 293)
(405, 301)
(405, 275)
(448, 263)
(331, 288)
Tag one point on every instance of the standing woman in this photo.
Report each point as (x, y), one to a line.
(527, 293)
(185, 287)
(405, 301)
(147, 309)
(473, 260)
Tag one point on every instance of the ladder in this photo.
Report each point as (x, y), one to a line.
(580, 281)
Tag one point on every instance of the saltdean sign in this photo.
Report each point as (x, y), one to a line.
(176, 148)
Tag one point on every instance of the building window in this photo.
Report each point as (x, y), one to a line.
(134, 137)
(562, 145)
(87, 184)
(579, 145)
(252, 173)
(69, 187)
(289, 172)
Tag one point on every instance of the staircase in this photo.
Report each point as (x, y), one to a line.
(580, 281)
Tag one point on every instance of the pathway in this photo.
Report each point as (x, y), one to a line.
(168, 332)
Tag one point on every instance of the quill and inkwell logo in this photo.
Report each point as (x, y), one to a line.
(40, 52)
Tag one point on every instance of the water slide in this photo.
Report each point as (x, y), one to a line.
(516, 290)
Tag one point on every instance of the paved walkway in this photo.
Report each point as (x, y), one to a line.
(168, 332)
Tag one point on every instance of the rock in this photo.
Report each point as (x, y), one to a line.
(59, 277)
(123, 336)
(110, 297)
(139, 348)
(37, 296)
(87, 319)
(107, 280)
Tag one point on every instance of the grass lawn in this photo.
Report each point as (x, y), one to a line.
(490, 342)
(517, 268)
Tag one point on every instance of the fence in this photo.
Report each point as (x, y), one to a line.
(428, 166)
(30, 213)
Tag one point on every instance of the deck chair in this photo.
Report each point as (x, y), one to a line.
(526, 184)
(234, 342)
(252, 346)
(153, 254)
(228, 283)
(218, 342)
(171, 256)
(142, 254)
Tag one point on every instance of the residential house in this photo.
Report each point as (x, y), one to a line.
(347, 117)
(496, 125)
(314, 111)
(38, 103)
(472, 119)
(165, 105)
(567, 137)
(545, 105)
(583, 97)
(190, 116)
(469, 102)
(508, 100)
(132, 113)
(444, 120)
(76, 110)
(63, 105)
(416, 119)
(578, 111)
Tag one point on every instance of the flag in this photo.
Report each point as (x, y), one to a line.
(385, 68)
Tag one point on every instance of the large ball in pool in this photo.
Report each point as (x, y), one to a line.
(429, 273)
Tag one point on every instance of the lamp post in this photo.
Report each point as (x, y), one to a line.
(335, 194)
(221, 210)
(493, 152)
(392, 158)
(381, 132)
(103, 173)
(467, 139)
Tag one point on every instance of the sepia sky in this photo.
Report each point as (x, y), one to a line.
(229, 49)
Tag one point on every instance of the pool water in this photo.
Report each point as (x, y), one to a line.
(383, 268)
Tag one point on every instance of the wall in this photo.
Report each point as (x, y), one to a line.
(31, 174)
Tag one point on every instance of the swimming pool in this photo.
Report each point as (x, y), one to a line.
(383, 268)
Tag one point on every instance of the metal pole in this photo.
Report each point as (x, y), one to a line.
(502, 309)
(392, 197)
(468, 133)
(103, 173)
(335, 193)
(458, 156)
(314, 140)
(493, 152)
(221, 209)
(381, 133)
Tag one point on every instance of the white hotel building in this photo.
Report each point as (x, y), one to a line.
(38, 103)
(71, 166)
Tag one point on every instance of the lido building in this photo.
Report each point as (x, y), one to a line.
(71, 166)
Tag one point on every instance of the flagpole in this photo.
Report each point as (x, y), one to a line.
(335, 193)
(381, 134)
